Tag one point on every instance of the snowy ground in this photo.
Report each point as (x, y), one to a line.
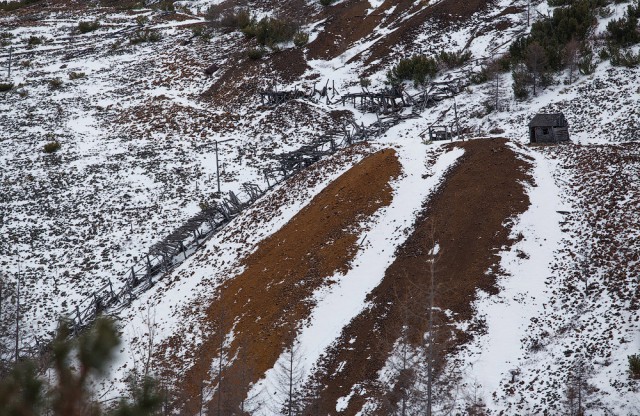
(137, 157)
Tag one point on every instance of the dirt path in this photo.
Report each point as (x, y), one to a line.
(280, 277)
(469, 214)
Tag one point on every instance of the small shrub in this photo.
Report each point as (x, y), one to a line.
(228, 20)
(326, 3)
(6, 86)
(624, 58)
(5, 38)
(34, 40)
(145, 35)
(452, 60)
(489, 106)
(165, 6)
(52, 147)
(76, 75)
(270, 31)
(86, 27)
(605, 12)
(634, 366)
(256, 53)
(25, 63)
(197, 31)
(300, 39)
(479, 77)
(154, 36)
(142, 20)
(9, 6)
(116, 45)
(55, 83)
(365, 82)
(417, 68)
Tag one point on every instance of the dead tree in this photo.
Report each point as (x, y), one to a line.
(289, 377)
(238, 399)
(223, 345)
(577, 387)
(8, 314)
(430, 338)
(571, 58)
(536, 61)
(405, 358)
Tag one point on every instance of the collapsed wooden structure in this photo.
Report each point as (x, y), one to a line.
(184, 241)
(383, 102)
(163, 257)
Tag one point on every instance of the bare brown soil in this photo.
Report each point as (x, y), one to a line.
(467, 219)
(445, 12)
(234, 85)
(346, 23)
(349, 22)
(264, 304)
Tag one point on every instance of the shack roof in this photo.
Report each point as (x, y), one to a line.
(545, 120)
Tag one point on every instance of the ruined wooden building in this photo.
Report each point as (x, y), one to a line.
(548, 128)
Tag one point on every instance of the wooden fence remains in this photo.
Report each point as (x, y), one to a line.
(163, 257)
(167, 254)
(174, 249)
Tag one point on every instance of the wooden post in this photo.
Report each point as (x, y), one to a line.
(217, 166)
(455, 109)
(9, 66)
(133, 276)
(78, 315)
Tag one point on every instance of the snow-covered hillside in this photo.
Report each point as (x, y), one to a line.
(139, 121)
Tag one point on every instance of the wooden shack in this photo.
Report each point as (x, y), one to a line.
(548, 128)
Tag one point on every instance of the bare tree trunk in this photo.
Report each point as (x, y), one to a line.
(430, 338)
(289, 376)
(290, 383)
(221, 330)
(150, 323)
(434, 255)
(497, 75)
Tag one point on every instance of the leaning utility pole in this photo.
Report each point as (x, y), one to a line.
(17, 352)
(217, 163)
(455, 109)
(9, 65)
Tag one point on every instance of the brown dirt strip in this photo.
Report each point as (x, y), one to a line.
(238, 82)
(349, 22)
(265, 304)
(443, 13)
(470, 212)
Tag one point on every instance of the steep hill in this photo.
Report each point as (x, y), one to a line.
(532, 250)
